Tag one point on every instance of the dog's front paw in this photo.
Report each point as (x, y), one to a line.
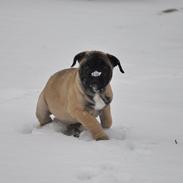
(102, 136)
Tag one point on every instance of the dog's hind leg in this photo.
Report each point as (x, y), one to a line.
(42, 111)
(74, 129)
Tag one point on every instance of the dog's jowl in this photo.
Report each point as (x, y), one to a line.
(79, 95)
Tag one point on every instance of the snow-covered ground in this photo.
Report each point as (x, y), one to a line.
(40, 37)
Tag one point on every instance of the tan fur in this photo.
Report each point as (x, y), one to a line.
(64, 97)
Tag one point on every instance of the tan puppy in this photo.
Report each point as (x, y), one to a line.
(79, 95)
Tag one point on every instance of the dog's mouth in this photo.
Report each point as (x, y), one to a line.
(95, 87)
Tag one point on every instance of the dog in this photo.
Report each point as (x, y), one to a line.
(79, 95)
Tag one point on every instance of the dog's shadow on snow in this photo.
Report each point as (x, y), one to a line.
(114, 133)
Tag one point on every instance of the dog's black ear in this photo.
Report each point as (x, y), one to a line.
(78, 58)
(115, 62)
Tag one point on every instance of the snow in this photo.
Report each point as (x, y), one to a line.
(38, 38)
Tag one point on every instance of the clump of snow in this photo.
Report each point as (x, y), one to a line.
(38, 38)
(96, 73)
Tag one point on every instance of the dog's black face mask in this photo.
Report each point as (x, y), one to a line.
(95, 70)
(95, 74)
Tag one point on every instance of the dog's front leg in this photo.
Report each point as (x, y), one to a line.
(105, 117)
(90, 122)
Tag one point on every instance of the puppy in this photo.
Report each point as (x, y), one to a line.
(79, 95)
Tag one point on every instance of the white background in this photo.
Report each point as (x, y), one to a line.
(38, 38)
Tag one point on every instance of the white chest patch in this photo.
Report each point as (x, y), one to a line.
(99, 103)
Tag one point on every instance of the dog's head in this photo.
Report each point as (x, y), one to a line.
(96, 69)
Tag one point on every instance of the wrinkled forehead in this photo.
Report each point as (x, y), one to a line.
(96, 60)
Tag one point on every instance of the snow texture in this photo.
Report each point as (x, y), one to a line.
(38, 38)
